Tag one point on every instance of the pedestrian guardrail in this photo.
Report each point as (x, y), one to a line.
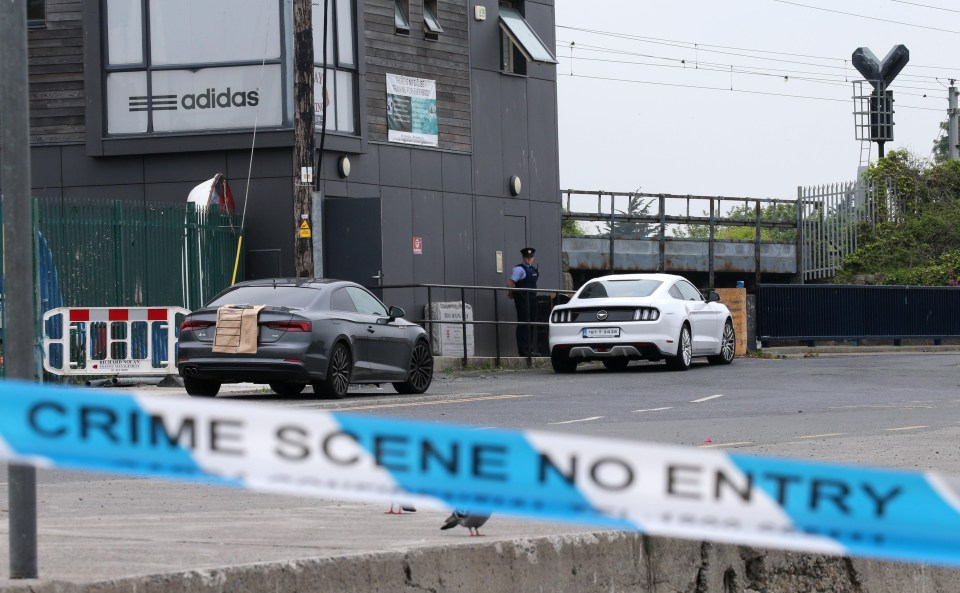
(112, 341)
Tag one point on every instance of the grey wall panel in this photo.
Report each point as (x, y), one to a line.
(269, 220)
(514, 147)
(169, 193)
(267, 162)
(45, 163)
(457, 173)
(488, 174)
(427, 210)
(541, 17)
(50, 193)
(132, 193)
(395, 206)
(544, 224)
(363, 190)
(335, 188)
(79, 169)
(426, 169)
(365, 168)
(489, 239)
(544, 157)
(194, 167)
(395, 166)
(458, 239)
(485, 39)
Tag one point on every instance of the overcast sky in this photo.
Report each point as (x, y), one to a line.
(660, 126)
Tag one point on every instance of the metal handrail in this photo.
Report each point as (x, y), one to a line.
(463, 313)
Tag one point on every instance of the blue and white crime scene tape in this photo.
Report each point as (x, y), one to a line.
(657, 489)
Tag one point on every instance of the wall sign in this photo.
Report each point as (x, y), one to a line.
(418, 245)
(412, 110)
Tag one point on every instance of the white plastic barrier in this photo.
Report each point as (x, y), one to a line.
(132, 341)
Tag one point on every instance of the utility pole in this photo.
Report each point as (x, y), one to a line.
(303, 136)
(18, 265)
(952, 130)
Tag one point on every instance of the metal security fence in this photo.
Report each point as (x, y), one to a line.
(134, 254)
(831, 218)
(112, 253)
(812, 312)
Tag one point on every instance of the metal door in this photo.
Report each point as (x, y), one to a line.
(352, 240)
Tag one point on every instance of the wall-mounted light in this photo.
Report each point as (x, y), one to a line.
(515, 186)
(343, 166)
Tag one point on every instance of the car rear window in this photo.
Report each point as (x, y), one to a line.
(602, 289)
(293, 297)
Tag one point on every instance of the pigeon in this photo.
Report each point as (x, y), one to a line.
(400, 508)
(472, 521)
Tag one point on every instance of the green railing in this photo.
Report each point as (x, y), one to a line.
(131, 254)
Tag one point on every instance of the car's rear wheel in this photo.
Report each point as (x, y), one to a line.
(561, 362)
(728, 346)
(616, 364)
(421, 371)
(681, 361)
(200, 388)
(287, 388)
(338, 374)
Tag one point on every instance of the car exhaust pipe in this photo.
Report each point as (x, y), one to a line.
(190, 371)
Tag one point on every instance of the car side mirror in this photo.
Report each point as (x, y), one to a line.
(713, 296)
(396, 312)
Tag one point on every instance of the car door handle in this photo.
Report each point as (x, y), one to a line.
(371, 330)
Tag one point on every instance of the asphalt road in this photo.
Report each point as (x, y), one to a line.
(898, 410)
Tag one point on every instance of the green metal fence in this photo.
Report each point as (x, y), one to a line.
(112, 253)
(131, 254)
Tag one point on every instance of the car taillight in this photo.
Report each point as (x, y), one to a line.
(646, 314)
(290, 326)
(194, 325)
(561, 316)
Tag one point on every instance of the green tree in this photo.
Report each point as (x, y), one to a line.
(568, 226)
(772, 212)
(941, 146)
(632, 229)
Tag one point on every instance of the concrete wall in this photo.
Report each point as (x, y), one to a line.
(607, 562)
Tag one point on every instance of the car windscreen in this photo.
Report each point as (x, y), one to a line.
(292, 297)
(603, 289)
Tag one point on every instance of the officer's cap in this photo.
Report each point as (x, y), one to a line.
(527, 251)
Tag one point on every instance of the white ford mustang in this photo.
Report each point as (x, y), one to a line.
(616, 319)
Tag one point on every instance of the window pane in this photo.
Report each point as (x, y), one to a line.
(36, 11)
(524, 37)
(124, 32)
(345, 102)
(366, 302)
(330, 97)
(191, 32)
(400, 17)
(318, 30)
(345, 33)
(430, 22)
(127, 103)
(217, 98)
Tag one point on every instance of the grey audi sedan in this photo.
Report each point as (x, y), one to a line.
(319, 332)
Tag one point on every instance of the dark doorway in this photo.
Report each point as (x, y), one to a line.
(352, 240)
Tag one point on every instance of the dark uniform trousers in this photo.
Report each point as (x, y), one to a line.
(526, 304)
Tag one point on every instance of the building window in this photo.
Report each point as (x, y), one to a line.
(36, 13)
(167, 70)
(519, 43)
(401, 16)
(340, 69)
(431, 24)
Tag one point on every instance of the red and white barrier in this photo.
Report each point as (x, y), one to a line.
(137, 341)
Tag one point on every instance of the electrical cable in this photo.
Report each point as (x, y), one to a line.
(925, 5)
(872, 18)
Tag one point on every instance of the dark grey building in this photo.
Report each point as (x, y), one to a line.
(445, 110)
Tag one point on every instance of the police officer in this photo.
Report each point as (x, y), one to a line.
(524, 275)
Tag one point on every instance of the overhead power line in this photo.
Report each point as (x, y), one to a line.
(925, 6)
(872, 18)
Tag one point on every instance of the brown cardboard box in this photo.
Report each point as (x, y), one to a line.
(237, 329)
(736, 300)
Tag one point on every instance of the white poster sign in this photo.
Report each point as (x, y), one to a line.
(412, 110)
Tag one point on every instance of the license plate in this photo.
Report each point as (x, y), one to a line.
(601, 332)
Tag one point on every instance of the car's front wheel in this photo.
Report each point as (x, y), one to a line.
(681, 361)
(421, 371)
(561, 362)
(287, 388)
(339, 370)
(616, 364)
(728, 346)
(200, 388)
